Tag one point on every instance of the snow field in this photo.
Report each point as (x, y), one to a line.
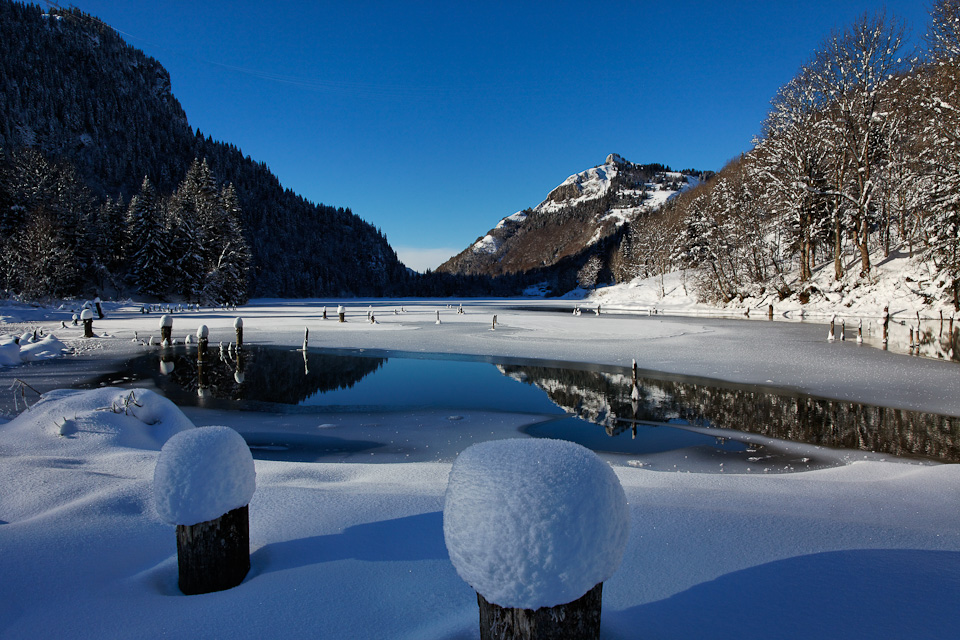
(867, 550)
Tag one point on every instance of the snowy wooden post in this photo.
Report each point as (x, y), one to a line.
(860, 331)
(203, 482)
(832, 336)
(87, 317)
(535, 527)
(843, 329)
(769, 312)
(238, 325)
(96, 302)
(324, 313)
(438, 316)
(166, 330)
(306, 337)
(341, 314)
(494, 327)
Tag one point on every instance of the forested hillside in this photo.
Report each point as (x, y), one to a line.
(859, 159)
(105, 186)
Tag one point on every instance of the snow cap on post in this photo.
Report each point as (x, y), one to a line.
(238, 323)
(202, 331)
(86, 314)
(532, 523)
(166, 320)
(202, 474)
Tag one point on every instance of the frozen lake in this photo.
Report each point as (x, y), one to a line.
(599, 406)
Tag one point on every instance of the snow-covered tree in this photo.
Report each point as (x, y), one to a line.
(147, 246)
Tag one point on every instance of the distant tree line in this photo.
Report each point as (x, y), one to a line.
(57, 241)
(860, 154)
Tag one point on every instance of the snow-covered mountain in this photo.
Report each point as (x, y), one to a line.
(574, 219)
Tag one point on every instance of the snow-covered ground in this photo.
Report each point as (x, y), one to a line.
(354, 548)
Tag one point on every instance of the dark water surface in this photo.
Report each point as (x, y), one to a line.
(603, 408)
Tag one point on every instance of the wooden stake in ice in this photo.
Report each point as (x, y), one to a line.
(769, 312)
(860, 331)
(341, 313)
(306, 335)
(203, 335)
(166, 330)
(87, 317)
(438, 316)
(494, 326)
(832, 336)
(238, 325)
(886, 325)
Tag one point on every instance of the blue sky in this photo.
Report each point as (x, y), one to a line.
(433, 120)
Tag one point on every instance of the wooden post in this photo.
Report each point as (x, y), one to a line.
(575, 620)
(214, 555)
(306, 336)
(166, 330)
(832, 336)
(769, 312)
(87, 316)
(494, 327)
(843, 329)
(238, 325)
(202, 342)
(324, 313)
(341, 313)
(96, 302)
(438, 316)
(860, 331)
(886, 324)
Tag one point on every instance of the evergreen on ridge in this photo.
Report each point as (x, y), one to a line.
(104, 186)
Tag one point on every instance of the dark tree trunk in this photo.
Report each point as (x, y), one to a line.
(577, 620)
(214, 555)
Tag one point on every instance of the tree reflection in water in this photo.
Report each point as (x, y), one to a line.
(256, 374)
(611, 398)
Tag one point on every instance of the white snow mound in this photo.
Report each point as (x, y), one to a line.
(533, 523)
(9, 353)
(44, 349)
(202, 474)
(136, 418)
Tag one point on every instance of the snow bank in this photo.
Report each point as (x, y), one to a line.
(43, 349)
(9, 353)
(534, 523)
(202, 474)
(136, 418)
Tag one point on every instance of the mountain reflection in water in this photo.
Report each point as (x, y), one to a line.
(608, 397)
(609, 400)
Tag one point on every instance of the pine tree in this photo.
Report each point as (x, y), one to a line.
(147, 249)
